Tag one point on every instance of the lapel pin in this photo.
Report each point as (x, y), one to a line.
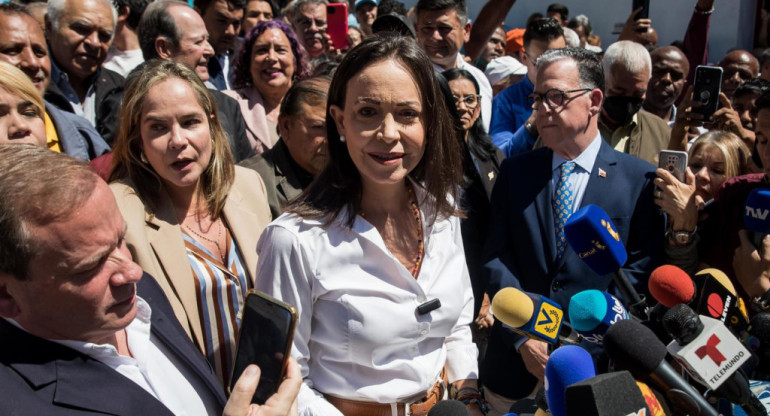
(602, 173)
(491, 175)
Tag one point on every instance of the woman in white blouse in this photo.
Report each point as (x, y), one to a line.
(373, 240)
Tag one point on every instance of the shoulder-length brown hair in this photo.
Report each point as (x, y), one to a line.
(215, 181)
(339, 186)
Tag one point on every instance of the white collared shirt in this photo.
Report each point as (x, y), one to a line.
(359, 336)
(153, 367)
(582, 173)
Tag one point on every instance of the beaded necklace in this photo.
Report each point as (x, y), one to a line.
(221, 252)
(420, 246)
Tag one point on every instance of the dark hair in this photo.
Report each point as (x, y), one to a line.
(202, 5)
(754, 85)
(312, 91)
(763, 101)
(544, 30)
(590, 71)
(339, 186)
(432, 5)
(325, 64)
(274, 9)
(764, 57)
(29, 197)
(135, 10)
(157, 22)
(559, 8)
(242, 62)
(391, 6)
(479, 142)
(10, 7)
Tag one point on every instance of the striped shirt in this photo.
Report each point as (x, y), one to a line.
(220, 290)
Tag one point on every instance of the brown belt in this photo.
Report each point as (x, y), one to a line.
(418, 408)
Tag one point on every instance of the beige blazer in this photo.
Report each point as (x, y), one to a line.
(155, 240)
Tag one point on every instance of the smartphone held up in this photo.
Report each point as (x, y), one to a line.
(264, 339)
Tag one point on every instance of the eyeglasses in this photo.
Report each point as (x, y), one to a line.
(470, 101)
(553, 97)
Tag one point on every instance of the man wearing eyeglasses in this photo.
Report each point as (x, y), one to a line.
(526, 248)
(512, 127)
(623, 123)
(310, 24)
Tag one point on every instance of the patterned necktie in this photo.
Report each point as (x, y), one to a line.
(562, 205)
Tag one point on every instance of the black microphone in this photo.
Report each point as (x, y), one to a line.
(712, 355)
(759, 344)
(449, 408)
(634, 347)
(609, 394)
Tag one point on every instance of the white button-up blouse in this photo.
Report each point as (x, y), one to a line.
(359, 336)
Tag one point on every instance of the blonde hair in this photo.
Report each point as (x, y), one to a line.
(734, 151)
(18, 83)
(217, 178)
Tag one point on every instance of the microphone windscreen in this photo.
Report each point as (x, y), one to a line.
(512, 307)
(449, 408)
(591, 234)
(682, 323)
(720, 277)
(634, 347)
(610, 394)
(655, 401)
(756, 212)
(565, 366)
(671, 286)
(587, 309)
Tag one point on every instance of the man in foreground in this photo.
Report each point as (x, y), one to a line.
(84, 332)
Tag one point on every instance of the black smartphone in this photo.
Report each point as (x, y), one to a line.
(645, 5)
(265, 338)
(674, 161)
(706, 89)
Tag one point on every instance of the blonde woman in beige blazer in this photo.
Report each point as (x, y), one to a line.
(193, 218)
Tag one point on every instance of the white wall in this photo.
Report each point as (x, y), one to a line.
(732, 24)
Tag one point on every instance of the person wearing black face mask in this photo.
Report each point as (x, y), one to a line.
(623, 123)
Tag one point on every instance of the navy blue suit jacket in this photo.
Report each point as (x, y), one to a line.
(521, 247)
(40, 377)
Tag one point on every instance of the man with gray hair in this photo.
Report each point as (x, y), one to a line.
(537, 191)
(79, 33)
(84, 330)
(623, 123)
(172, 30)
(308, 19)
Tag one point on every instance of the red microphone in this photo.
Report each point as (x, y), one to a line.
(671, 286)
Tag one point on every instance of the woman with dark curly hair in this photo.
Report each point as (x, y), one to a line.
(269, 61)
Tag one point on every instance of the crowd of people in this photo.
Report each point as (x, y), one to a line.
(387, 188)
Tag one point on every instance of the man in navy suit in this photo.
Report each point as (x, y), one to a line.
(526, 248)
(83, 331)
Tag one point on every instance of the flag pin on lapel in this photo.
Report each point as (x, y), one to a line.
(602, 173)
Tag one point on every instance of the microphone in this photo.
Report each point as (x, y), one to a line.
(759, 344)
(590, 232)
(657, 406)
(592, 312)
(715, 289)
(712, 355)
(566, 365)
(756, 218)
(670, 286)
(532, 316)
(633, 347)
(610, 394)
(449, 408)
